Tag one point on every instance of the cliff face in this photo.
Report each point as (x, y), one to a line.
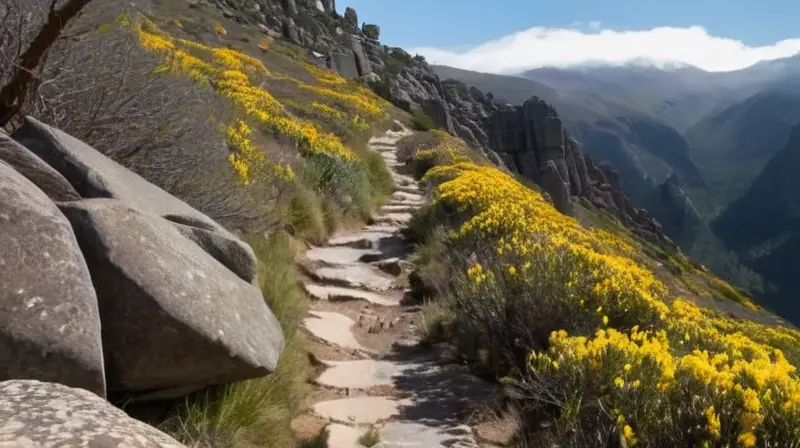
(355, 51)
(532, 141)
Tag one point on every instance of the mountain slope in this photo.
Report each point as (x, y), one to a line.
(732, 145)
(763, 226)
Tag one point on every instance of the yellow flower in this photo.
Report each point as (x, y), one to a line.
(747, 439)
(605, 320)
(713, 423)
(627, 367)
(512, 270)
(619, 382)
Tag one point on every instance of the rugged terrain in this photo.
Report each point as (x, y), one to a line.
(276, 231)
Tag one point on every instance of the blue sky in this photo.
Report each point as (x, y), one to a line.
(711, 34)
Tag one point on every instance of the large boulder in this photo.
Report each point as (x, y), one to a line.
(232, 253)
(351, 17)
(36, 414)
(94, 175)
(174, 318)
(372, 31)
(49, 321)
(36, 170)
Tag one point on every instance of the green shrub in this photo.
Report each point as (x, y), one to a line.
(420, 121)
(370, 438)
(306, 215)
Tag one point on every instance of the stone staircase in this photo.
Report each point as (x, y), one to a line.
(373, 374)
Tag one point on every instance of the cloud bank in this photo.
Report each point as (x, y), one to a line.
(564, 47)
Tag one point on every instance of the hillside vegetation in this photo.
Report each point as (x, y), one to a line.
(588, 335)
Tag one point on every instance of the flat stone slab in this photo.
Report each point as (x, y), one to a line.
(402, 179)
(391, 208)
(355, 276)
(333, 293)
(360, 410)
(333, 328)
(393, 218)
(410, 434)
(363, 374)
(360, 240)
(384, 227)
(405, 196)
(339, 255)
(343, 436)
(412, 189)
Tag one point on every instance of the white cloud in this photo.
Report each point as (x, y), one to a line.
(564, 47)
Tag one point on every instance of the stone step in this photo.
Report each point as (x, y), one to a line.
(409, 434)
(354, 276)
(343, 436)
(364, 373)
(339, 293)
(340, 255)
(360, 240)
(400, 208)
(403, 179)
(411, 189)
(360, 410)
(334, 329)
(393, 218)
(384, 227)
(406, 196)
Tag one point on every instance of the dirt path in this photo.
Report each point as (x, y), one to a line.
(373, 376)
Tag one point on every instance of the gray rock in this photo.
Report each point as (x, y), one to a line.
(371, 78)
(49, 321)
(290, 6)
(346, 64)
(95, 175)
(364, 66)
(351, 16)
(552, 182)
(291, 32)
(36, 170)
(36, 414)
(233, 254)
(320, 6)
(172, 316)
(372, 31)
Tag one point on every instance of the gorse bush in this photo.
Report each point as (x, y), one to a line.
(589, 336)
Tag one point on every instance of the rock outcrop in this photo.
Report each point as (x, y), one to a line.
(35, 414)
(49, 320)
(533, 142)
(112, 283)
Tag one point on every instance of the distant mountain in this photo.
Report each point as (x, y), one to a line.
(657, 129)
(734, 143)
(763, 226)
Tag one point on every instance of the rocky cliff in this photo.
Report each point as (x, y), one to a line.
(532, 141)
(530, 138)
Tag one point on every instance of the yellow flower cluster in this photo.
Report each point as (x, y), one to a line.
(522, 225)
(362, 102)
(235, 76)
(246, 160)
(662, 367)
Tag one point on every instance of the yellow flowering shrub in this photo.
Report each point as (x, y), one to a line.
(239, 77)
(603, 346)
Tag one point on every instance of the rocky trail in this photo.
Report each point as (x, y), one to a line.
(375, 383)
